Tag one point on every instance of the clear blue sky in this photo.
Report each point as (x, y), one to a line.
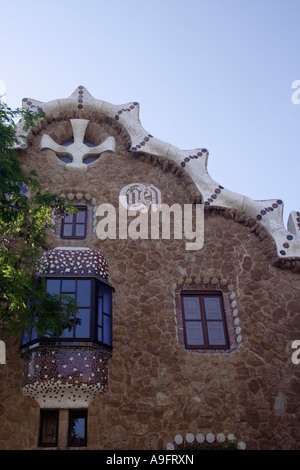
(207, 73)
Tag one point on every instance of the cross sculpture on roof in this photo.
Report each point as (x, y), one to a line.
(78, 150)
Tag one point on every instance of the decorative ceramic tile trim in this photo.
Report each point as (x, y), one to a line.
(192, 157)
(142, 143)
(213, 196)
(294, 223)
(265, 211)
(190, 441)
(80, 97)
(33, 105)
(128, 116)
(130, 107)
(73, 261)
(230, 306)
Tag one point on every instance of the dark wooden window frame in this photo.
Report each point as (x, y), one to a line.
(43, 417)
(74, 224)
(201, 295)
(81, 414)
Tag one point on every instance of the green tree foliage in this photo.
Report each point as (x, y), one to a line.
(24, 221)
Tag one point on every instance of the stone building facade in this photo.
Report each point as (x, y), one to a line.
(173, 347)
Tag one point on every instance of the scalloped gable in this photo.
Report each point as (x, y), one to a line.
(268, 213)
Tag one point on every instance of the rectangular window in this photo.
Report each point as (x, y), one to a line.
(48, 428)
(74, 225)
(204, 320)
(77, 436)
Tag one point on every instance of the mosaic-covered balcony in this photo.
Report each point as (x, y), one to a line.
(71, 370)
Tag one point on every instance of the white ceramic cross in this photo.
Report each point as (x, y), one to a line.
(78, 149)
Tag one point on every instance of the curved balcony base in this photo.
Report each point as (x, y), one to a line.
(58, 395)
(65, 376)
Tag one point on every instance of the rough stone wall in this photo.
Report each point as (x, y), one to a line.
(157, 389)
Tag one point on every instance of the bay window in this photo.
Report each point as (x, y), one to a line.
(93, 318)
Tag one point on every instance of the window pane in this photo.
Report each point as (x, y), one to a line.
(191, 308)
(80, 230)
(34, 334)
(29, 337)
(213, 308)
(99, 334)
(53, 286)
(82, 323)
(68, 285)
(194, 333)
(68, 332)
(107, 300)
(68, 142)
(89, 160)
(67, 230)
(65, 298)
(99, 289)
(216, 334)
(65, 159)
(81, 216)
(84, 293)
(77, 427)
(26, 338)
(69, 218)
(99, 315)
(107, 330)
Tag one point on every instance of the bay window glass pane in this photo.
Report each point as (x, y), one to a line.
(68, 332)
(107, 300)
(29, 336)
(99, 314)
(192, 308)
(68, 285)
(53, 286)
(99, 334)
(84, 293)
(99, 289)
(82, 328)
(26, 338)
(216, 334)
(34, 334)
(65, 298)
(194, 333)
(106, 330)
(213, 308)
(93, 318)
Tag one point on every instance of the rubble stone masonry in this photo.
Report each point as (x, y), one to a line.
(157, 389)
